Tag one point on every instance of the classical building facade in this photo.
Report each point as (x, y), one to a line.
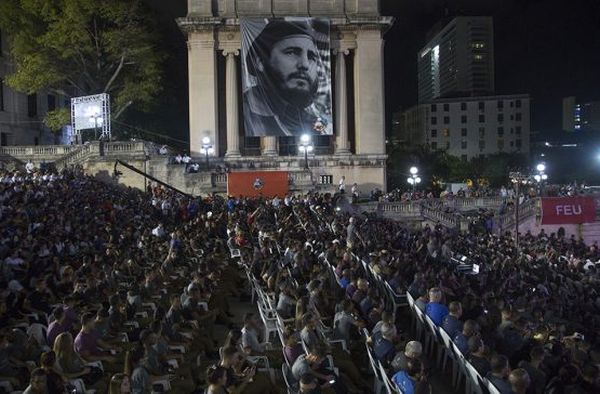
(21, 114)
(356, 149)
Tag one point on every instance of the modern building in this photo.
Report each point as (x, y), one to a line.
(579, 116)
(458, 61)
(469, 127)
(356, 149)
(21, 114)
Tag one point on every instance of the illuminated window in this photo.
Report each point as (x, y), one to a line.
(478, 57)
(446, 132)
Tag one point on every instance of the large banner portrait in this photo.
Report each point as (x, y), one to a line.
(286, 76)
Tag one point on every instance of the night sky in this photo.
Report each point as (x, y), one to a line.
(547, 48)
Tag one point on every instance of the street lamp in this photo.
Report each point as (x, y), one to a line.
(207, 149)
(305, 146)
(540, 177)
(414, 178)
(96, 117)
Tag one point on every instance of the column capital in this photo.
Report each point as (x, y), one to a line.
(341, 51)
(231, 51)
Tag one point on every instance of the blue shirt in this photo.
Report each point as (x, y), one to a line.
(404, 382)
(384, 350)
(462, 343)
(436, 312)
(452, 325)
(344, 282)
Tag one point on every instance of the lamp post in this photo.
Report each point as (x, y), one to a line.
(540, 177)
(414, 178)
(95, 117)
(305, 146)
(518, 178)
(206, 149)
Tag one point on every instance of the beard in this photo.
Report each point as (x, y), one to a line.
(296, 89)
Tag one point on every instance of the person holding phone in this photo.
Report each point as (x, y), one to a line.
(312, 364)
(242, 376)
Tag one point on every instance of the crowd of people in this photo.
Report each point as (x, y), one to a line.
(122, 290)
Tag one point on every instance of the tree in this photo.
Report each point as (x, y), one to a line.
(83, 47)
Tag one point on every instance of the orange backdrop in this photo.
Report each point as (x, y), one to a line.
(247, 183)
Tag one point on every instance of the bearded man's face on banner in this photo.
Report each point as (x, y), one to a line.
(292, 69)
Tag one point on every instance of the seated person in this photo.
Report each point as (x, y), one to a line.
(470, 329)
(37, 382)
(312, 364)
(519, 381)
(384, 348)
(91, 348)
(412, 379)
(452, 323)
(412, 350)
(434, 308)
(477, 356)
(242, 376)
(498, 375)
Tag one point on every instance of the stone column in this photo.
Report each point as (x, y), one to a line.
(369, 105)
(270, 146)
(231, 95)
(203, 90)
(342, 146)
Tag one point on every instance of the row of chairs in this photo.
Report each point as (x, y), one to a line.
(436, 338)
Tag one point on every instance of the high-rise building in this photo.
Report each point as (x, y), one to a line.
(458, 60)
(579, 116)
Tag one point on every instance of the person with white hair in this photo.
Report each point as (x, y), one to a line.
(384, 348)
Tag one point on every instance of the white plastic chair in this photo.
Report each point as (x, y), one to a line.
(490, 387)
(474, 379)
(390, 387)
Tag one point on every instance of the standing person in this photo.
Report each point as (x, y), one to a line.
(342, 184)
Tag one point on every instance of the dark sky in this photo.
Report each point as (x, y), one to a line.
(547, 48)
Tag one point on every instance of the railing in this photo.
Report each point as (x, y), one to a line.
(446, 219)
(36, 150)
(471, 203)
(508, 221)
(413, 207)
(73, 157)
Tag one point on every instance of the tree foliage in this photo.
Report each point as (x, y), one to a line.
(83, 47)
(438, 166)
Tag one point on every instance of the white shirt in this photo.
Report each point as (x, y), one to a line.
(158, 231)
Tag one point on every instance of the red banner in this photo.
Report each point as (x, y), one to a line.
(257, 183)
(568, 210)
